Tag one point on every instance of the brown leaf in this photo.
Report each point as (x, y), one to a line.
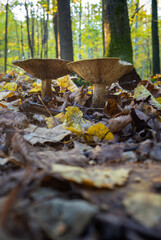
(119, 123)
(12, 119)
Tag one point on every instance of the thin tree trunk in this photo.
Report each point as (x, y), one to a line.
(136, 29)
(155, 39)
(33, 33)
(22, 44)
(55, 24)
(17, 36)
(6, 39)
(80, 29)
(28, 30)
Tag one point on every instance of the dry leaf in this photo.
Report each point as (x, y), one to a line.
(42, 135)
(119, 123)
(144, 207)
(95, 177)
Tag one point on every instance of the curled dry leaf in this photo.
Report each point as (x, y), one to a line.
(107, 153)
(10, 118)
(144, 207)
(119, 123)
(42, 135)
(94, 177)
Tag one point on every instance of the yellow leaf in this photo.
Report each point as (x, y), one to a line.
(141, 93)
(36, 87)
(95, 177)
(99, 130)
(73, 120)
(12, 86)
(60, 117)
(66, 83)
(6, 94)
(49, 122)
(90, 90)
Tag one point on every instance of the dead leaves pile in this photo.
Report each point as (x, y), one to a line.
(54, 152)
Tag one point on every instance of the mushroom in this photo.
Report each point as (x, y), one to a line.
(46, 70)
(100, 72)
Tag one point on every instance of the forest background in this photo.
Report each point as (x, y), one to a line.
(86, 16)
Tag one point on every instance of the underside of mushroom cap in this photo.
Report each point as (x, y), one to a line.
(100, 70)
(44, 68)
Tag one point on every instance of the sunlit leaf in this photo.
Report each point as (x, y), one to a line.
(98, 130)
(36, 87)
(73, 120)
(66, 83)
(141, 93)
(12, 86)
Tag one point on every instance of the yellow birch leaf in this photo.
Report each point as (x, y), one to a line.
(66, 83)
(95, 177)
(36, 88)
(99, 130)
(49, 122)
(12, 86)
(60, 117)
(73, 120)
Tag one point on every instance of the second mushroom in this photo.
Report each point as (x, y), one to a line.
(100, 72)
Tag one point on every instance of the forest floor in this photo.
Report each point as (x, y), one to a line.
(71, 171)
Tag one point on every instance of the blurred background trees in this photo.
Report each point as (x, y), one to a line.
(79, 30)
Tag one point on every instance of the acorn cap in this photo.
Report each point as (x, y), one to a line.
(44, 68)
(100, 70)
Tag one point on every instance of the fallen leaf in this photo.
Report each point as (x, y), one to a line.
(42, 135)
(94, 177)
(74, 121)
(141, 93)
(144, 207)
(119, 123)
(98, 130)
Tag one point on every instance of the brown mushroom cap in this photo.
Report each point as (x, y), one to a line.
(100, 70)
(44, 69)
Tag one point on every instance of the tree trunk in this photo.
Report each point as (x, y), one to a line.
(65, 30)
(155, 39)
(80, 29)
(55, 24)
(22, 44)
(6, 39)
(117, 39)
(28, 30)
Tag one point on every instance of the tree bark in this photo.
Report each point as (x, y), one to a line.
(22, 42)
(65, 30)
(155, 39)
(6, 39)
(28, 31)
(116, 30)
(55, 25)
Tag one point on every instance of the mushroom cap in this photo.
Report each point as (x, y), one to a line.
(44, 68)
(100, 70)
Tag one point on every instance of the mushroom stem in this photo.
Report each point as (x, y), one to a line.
(46, 90)
(98, 99)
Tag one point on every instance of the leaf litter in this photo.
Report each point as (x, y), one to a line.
(70, 171)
